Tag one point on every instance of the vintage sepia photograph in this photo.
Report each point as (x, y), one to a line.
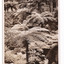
(31, 32)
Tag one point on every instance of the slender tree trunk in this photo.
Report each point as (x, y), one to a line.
(27, 52)
(51, 5)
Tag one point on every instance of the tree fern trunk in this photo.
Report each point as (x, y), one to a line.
(27, 52)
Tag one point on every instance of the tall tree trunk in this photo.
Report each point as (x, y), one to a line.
(51, 5)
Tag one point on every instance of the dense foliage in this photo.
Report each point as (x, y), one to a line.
(29, 33)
